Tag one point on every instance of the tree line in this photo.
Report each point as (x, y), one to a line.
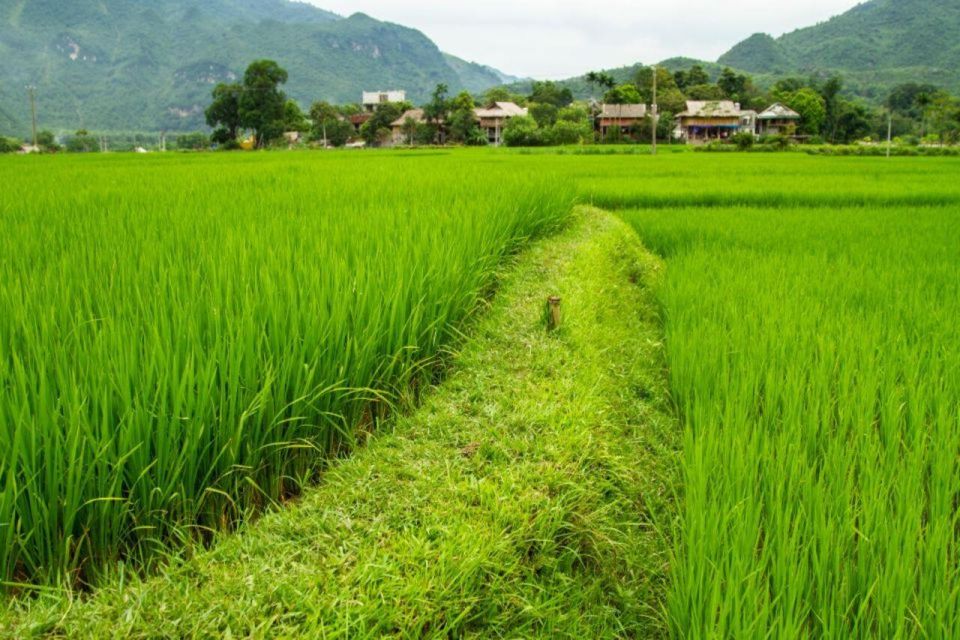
(257, 105)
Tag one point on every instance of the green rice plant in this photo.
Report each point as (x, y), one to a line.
(185, 340)
(813, 356)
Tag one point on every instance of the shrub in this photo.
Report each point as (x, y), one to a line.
(9, 145)
(744, 140)
(193, 141)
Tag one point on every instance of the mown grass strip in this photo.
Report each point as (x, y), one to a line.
(520, 500)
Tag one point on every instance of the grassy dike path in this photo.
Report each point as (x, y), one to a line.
(520, 500)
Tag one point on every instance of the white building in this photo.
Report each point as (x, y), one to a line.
(373, 99)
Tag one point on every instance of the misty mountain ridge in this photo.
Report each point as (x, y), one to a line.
(150, 65)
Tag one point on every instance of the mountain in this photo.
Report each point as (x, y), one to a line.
(875, 44)
(477, 77)
(151, 64)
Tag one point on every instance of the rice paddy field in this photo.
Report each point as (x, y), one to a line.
(187, 340)
(184, 340)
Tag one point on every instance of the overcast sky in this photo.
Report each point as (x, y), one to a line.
(562, 38)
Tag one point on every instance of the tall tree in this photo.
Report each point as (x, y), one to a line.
(223, 114)
(262, 103)
(696, 75)
(830, 92)
(463, 125)
(328, 124)
(734, 86)
(549, 92)
(436, 110)
(810, 105)
(643, 82)
(624, 94)
(294, 118)
(600, 80)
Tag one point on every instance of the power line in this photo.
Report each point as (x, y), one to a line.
(32, 91)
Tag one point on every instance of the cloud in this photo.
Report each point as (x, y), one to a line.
(561, 38)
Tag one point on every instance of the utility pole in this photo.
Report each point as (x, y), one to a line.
(654, 111)
(889, 131)
(32, 90)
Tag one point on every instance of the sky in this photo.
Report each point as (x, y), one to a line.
(555, 39)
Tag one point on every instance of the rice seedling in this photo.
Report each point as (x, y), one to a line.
(185, 339)
(812, 355)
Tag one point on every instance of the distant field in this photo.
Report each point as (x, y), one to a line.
(189, 337)
(184, 338)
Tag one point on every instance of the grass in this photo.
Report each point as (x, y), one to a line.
(813, 358)
(521, 500)
(186, 338)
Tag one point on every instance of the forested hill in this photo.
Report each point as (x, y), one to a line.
(151, 64)
(878, 43)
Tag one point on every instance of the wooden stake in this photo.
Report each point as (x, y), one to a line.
(554, 318)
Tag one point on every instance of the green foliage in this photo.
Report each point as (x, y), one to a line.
(600, 80)
(623, 94)
(294, 118)
(705, 92)
(565, 132)
(502, 94)
(744, 141)
(735, 86)
(544, 113)
(263, 106)
(522, 131)
(9, 145)
(878, 44)
(672, 101)
(696, 75)
(462, 126)
(811, 107)
(223, 114)
(911, 99)
(82, 142)
(46, 139)
(550, 92)
(193, 141)
(328, 125)
(376, 130)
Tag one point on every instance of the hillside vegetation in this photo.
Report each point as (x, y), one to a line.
(122, 65)
(875, 44)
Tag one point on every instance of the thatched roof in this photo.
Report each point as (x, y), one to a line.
(412, 114)
(778, 111)
(621, 111)
(711, 109)
(501, 110)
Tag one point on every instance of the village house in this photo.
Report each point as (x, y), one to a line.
(357, 120)
(493, 119)
(620, 116)
(777, 119)
(399, 135)
(704, 121)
